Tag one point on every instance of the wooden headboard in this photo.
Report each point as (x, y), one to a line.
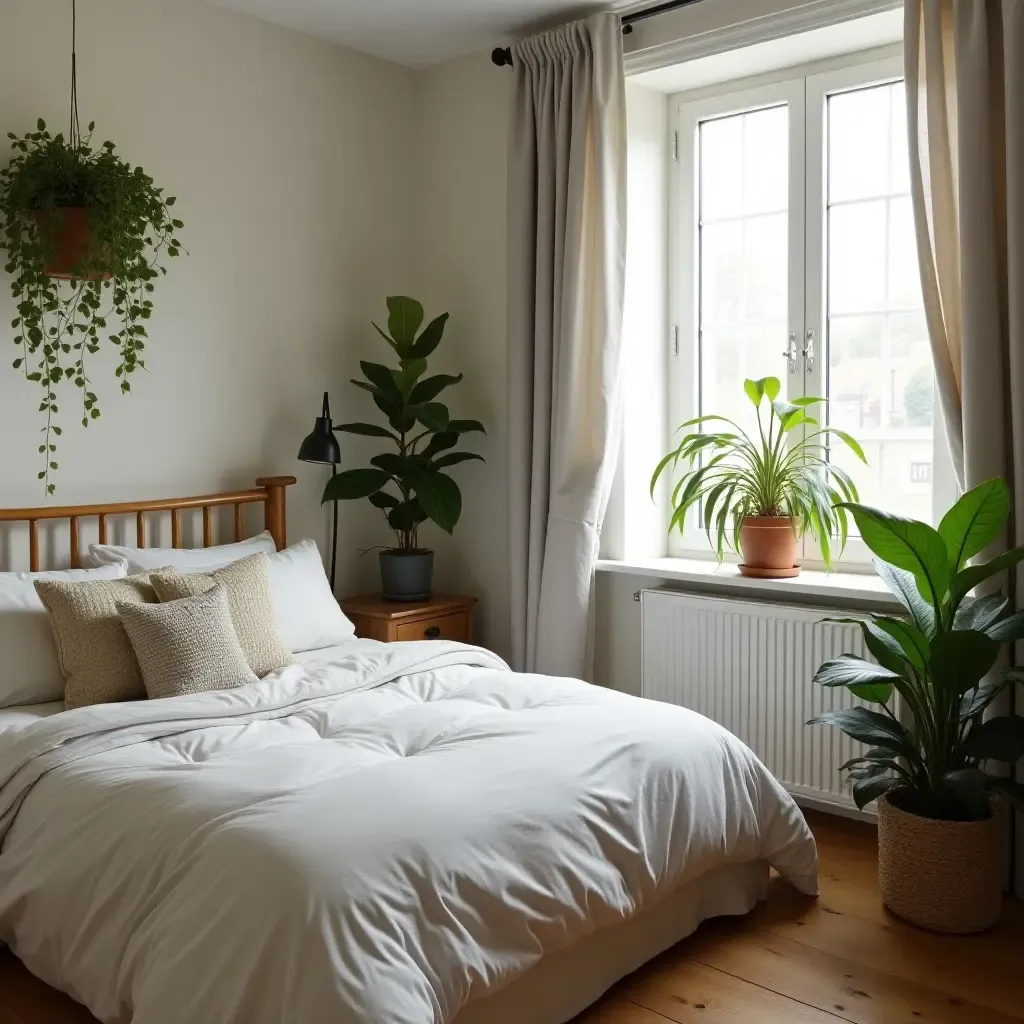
(270, 491)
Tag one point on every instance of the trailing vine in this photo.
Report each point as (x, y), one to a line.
(60, 323)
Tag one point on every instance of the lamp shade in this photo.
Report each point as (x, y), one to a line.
(321, 445)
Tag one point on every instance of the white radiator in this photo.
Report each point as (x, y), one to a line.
(748, 665)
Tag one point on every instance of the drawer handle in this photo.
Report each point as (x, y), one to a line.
(432, 632)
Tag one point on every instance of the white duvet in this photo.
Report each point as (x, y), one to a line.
(381, 835)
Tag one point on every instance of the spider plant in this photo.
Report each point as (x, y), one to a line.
(782, 472)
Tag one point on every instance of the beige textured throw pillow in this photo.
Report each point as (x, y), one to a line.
(186, 646)
(247, 585)
(93, 650)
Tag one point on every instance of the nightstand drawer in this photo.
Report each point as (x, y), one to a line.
(438, 627)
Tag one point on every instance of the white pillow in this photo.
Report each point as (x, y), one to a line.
(308, 616)
(29, 672)
(181, 559)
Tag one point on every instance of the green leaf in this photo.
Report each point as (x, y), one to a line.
(427, 390)
(383, 500)
(998, 739)
(902, 586)
(884, 648)
(754, 390)
(406, 516)
(975, 521)
(430, 338)
(404, 318)
(849, 440)
(384, 335)
(405, 378)
(366, 429)
(355, 483)
(960, 660)
(869, 727)
(379, 376)
(439, 495)
(392, 463)
(454, 458)
(906, 544)
(980, 612)
(434, 416)
(873, 693)
(1008, 630)
(975, 701)
(967, 579)
(906, 637)
(771, 387)
(849, 670)
(870, 789)
(440, 442)
(466, 426)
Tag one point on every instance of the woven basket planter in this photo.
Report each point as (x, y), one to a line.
(941, 875)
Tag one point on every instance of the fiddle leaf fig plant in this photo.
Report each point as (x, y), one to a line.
(409, 482)
(107, 294)
(940, 658)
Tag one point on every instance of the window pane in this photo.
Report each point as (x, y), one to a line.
(858, 151)
(743, 251)
(857, 257)
(880, 380)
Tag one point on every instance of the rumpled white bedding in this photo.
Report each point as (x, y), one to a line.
(381, 835)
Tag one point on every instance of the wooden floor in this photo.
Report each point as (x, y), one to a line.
(793, 961)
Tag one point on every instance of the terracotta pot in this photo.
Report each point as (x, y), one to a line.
(941, 875)
(72, 240)
(768, 544)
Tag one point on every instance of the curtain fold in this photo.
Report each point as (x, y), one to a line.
(965, 115)
(567, 243)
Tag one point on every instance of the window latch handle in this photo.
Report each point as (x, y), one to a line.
(808, 351)
(790, 353)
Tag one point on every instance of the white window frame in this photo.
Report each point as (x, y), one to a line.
(806, 93)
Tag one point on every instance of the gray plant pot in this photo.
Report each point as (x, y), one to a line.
(406, 577)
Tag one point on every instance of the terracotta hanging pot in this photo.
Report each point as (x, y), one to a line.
(69, 228)
(768, 545)
(941, 875)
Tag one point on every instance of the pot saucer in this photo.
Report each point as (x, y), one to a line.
(769, 574)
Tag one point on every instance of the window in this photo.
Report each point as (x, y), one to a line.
(793, 255)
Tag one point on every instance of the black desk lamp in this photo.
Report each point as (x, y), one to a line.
(322, 447)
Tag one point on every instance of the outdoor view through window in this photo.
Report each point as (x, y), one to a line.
(804, 267)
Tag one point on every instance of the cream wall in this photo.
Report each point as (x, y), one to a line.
(293, 165)
(459, 265)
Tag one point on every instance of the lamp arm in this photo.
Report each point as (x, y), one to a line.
(334, 535)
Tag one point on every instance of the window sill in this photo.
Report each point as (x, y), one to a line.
(835, 589)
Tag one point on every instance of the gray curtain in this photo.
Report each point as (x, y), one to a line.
(567, 243)
(965, 102)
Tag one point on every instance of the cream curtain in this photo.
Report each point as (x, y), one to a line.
(567, 241)
(965, 101)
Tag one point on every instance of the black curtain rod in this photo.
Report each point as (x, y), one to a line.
(502, 55)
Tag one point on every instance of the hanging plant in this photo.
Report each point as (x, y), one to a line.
(85, 233)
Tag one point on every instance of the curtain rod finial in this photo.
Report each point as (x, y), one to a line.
(502, 56)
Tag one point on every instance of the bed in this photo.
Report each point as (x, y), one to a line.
(399, 834)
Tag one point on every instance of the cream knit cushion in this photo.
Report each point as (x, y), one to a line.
(186, 646)
(247, 585)
(93, 650)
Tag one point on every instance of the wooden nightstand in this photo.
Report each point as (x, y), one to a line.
(443, 617)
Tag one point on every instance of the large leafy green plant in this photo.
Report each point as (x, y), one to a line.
(59, 324)
(940, 658)
(778, 473)
(409, 484)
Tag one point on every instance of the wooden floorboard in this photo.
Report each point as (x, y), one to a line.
(794, 960)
